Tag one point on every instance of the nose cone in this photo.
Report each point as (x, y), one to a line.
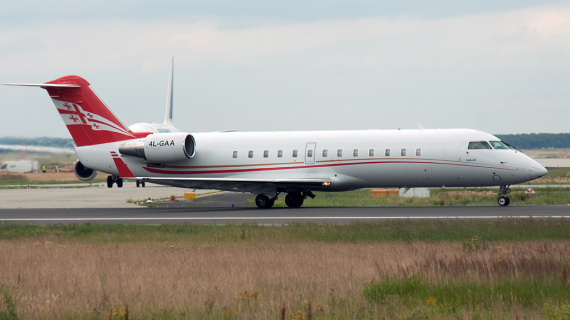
(537, 172)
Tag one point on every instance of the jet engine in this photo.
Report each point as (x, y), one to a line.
(83, 173)
(161, 147)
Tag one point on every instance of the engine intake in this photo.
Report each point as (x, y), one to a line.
(161, 147)
(83, 173)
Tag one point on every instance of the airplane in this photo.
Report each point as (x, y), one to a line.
(271, 163)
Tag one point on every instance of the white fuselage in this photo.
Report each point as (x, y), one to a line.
(433, 158)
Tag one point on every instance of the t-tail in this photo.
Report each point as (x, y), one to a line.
(87, 117)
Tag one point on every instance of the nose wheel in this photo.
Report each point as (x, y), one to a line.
(503, 200)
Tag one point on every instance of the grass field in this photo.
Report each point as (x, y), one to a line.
(554, 176)
(440, 269)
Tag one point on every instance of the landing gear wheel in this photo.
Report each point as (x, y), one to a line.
(138, 183)
(120, 182)
(263, 202)
(142, 184)
(110, 182)
(294, 200)
(504, 201)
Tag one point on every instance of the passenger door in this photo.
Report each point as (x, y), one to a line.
(438, 163)
(310, 153)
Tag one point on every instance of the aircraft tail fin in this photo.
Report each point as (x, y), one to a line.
(87, 117)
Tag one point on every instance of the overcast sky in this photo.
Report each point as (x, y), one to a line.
(288, 65)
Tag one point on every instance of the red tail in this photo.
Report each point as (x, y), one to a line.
(89, 120)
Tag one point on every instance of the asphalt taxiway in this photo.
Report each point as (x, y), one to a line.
(238, 215)
(109, 206)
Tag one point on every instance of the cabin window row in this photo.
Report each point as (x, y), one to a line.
(339, 152)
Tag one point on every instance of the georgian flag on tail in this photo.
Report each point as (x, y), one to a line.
(88, 118)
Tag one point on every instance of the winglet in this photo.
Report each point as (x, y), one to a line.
(170, 94)
(124, 171)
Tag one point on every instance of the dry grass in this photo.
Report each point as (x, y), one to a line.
(211, 280)
(62, 176)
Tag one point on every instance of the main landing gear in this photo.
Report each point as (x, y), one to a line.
(503, 200)
(292, 200)
(113, 179)
(140, 183)
(263, 202)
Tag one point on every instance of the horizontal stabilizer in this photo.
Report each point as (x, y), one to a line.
(44, 85)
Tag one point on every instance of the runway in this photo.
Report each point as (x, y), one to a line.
(239, 215)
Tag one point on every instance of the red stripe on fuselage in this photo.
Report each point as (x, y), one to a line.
(159, 171)
(124, 171)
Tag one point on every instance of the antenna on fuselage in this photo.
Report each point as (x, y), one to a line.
(170, 94)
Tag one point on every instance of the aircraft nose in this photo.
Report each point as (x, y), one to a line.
(537, 172)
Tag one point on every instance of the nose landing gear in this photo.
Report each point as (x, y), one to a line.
(503, 200)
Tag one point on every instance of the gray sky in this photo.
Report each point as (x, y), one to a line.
(288, 65)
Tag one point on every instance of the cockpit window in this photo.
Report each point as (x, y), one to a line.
(474, 145)
(498, 145)
(4, 166)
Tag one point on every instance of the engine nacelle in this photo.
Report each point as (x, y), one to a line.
(161, 147)
(83, 173)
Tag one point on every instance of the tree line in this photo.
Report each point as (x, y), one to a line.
(536, 140)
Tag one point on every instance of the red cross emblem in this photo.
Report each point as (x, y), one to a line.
(74, 118)
(95, 126)
(67, 106)
(89, 115)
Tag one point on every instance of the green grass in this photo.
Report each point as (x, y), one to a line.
(459, 291)
(451, 296)
(554, 173)
(507, 229)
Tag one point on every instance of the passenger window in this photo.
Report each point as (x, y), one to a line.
(266, 153)
(418, 152)
(310, 153)
(403, 153)
(325, 153)
(387, 152)
(250, 154)
(339, 153)
(355, 153)
(371, 152)
(478, 145)
(235, 154)
(295, 152)
(279, 153)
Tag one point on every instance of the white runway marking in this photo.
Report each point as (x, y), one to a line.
(277, 218)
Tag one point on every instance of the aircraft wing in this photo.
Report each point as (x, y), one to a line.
(240, 184)
(305, 181)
